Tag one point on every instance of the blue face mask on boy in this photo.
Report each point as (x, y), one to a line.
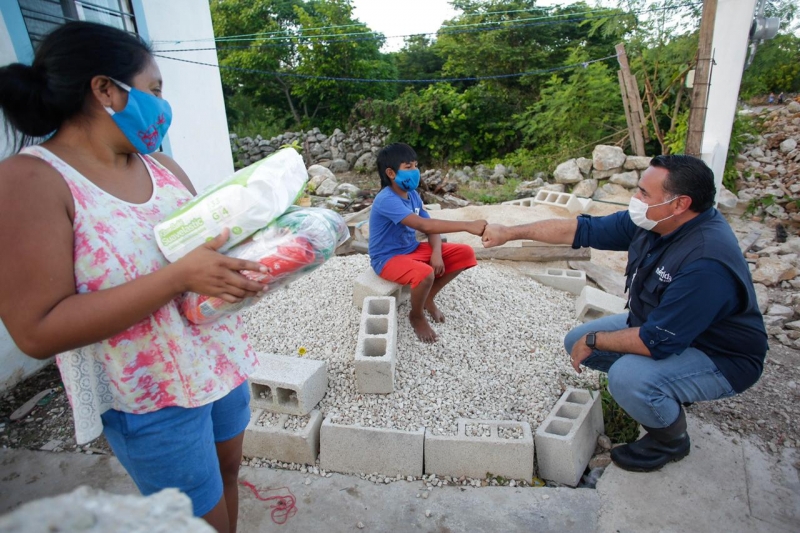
(145, 119)
(408, 180)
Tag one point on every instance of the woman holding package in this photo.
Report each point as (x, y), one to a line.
(84, 278)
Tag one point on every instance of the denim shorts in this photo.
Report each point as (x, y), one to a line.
(175, 446)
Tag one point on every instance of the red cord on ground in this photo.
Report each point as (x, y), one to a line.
(282, 505)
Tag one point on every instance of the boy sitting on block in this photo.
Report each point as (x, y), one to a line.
(395, 254)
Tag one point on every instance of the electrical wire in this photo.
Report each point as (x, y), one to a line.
(377, 80)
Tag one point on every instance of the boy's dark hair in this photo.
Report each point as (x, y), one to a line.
(392, 156)
(37, 99)
(688, 176)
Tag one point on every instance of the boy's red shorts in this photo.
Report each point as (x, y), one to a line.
(411, 269)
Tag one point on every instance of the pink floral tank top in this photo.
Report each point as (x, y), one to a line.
(164, 360)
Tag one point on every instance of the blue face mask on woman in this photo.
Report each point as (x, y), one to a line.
(145, 119)
(408, 180)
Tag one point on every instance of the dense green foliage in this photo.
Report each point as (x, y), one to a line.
(505, 81)
(775, 68)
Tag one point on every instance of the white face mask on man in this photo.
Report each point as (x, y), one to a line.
(637, 210)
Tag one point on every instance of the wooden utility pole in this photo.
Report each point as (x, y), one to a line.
(702, 76)
(634, 114)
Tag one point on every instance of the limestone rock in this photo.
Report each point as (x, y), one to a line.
(95, 511)
(788, 145)
(637, 162)
(339, 165)
(772, 270)
(607, 157)
(605, 174)
(327, 188)
(629, 180)
(780, 311)
(762, 296)
(793, 107)
(528, 188)
(557, 187)
(586, 188)
(585, 165)
(347, 189)
(366, 163)
(318, 174)
(568, 172)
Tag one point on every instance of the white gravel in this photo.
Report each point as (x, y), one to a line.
(292, 422)
(499, 356)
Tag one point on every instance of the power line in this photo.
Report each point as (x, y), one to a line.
(276, 35)
(380, 37)
(375, 80)
(446, 30)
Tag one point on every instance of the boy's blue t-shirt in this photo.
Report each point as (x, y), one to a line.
(387, 236)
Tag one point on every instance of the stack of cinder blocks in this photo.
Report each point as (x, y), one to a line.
(568, 201)
(566, 439)
(505, 454)
(370, 284)
(594, 303)
(572, 281)
(291, 386)
(376, 349)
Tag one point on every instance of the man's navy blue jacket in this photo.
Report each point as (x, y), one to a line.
(690, 288)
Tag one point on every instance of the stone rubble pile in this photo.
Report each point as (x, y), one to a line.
(609, 173)
(341, 152)
(769, 169)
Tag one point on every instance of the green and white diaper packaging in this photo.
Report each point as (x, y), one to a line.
(246, 202)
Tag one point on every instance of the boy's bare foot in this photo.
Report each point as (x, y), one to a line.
(436, 315)
(421, 327)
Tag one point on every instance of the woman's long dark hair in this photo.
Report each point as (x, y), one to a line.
(37, 99)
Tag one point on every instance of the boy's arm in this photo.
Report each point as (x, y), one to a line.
(431, 226)
(435, 240)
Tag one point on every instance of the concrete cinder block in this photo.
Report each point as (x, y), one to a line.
(568, 201)
(566, 440)
(572, 281)
(361, 450)
(368, 283)
(291, 385)
(523, 202)
(460, 455)
(594, 303)
(277, 443)
(376, 350)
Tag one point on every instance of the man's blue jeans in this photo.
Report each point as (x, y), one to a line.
(651, 390)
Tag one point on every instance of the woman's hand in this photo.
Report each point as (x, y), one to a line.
(206, 271)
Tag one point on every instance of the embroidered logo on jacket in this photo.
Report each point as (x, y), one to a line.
(663, 275)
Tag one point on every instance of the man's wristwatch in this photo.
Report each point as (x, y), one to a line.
(591, 340)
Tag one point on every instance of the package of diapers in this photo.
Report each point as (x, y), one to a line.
(246, 202)
(296, 243)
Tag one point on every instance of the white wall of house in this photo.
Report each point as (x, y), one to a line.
(198, 137)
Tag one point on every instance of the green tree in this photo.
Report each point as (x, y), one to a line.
(447, 125)
(574, 113)
(775, 67)
(303, 43)
(418, 60)
(325, 101)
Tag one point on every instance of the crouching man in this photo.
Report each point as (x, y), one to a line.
(693, 331)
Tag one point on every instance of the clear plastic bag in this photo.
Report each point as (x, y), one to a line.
(296, 243)
(245, 202)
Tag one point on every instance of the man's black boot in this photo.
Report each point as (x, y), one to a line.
(657, 448)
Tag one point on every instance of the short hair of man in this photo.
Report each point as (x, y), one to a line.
(392, 156)
(688, 176)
